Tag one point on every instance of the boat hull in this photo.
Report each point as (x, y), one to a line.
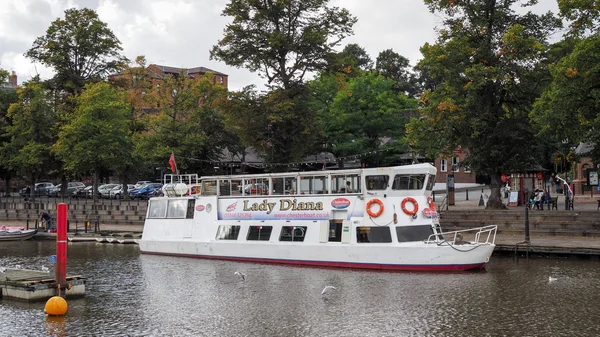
(408, 258)
(17, 235)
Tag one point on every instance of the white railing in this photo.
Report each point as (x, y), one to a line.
(481, 235)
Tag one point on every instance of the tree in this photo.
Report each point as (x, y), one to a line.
(278, 124)
(282, 40)
(396, 67)
(80, 48)
(29, 132)
(188, 122)
(487, 63)
(567, 111)
(352, 60)
(584, 15)
(364, 115)
(8, 96)
(96, 138)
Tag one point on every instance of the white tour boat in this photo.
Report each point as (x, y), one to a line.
(372, 218)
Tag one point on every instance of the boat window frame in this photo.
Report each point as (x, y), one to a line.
(353, 178)
(378, 184)
(430, 182)
(362, 234)
(182, 210)
(398, 184)
(224, 236)
(414, 229)
(293, 237)
(311, 179)
(259, 237)
(151, 207)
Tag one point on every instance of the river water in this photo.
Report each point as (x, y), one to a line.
(129, 294)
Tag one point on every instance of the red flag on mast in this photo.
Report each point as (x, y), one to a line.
(172, 162)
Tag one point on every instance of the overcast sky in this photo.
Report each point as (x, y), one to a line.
(180, 33)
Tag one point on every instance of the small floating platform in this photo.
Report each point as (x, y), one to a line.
(32, 285)
(82, 238)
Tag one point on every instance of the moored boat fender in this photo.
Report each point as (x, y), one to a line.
(415, 206)
(370, 203)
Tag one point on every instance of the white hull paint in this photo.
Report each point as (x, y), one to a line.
(197, 236)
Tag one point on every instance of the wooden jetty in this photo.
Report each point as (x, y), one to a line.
(32, 285)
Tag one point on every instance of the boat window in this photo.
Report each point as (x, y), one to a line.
(259, 233)
(236, 186)
(292, 233)
(228, 232)
(177, 209)
(209, 187)
(430, 182)
(313, 185)
(379, 182)
(345, 183)
(225, 187)
(373, 234)
(257, 186)
(413, 233)
(157, 208)
(409, 182)
(335, 231)
(284, 185)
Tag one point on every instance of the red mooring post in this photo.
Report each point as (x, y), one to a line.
(61, 246)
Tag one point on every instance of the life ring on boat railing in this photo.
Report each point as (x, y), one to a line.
(415, 204)
(370, 203)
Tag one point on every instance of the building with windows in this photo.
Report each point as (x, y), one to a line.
(451, 165)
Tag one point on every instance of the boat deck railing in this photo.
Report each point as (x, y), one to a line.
(481, 235)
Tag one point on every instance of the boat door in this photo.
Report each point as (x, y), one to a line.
(188, 223)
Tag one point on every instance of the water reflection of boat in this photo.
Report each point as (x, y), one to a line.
(373, 218)
(16, 233)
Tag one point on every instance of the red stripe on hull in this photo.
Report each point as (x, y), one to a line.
(333, 264)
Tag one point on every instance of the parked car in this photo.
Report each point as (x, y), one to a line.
(117, 192)
(104, 190)
(82, 192)
(147, 191)
(54, 191)
(39, 189)
(259, 188)
(142, 183)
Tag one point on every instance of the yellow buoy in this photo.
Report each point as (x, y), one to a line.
(56, 306)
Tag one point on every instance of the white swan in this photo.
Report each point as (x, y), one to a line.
(327, 289)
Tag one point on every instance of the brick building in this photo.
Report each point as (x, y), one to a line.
(462, 174)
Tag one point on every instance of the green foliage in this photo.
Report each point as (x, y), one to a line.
(364, 115)
(96, 138)
(488, 63)
(584, 15)
(353, 60)
(80, 48)
(567, 111)
(282, 40)
(188, 122)
(395, 67)
(28, 132)
(278, 124)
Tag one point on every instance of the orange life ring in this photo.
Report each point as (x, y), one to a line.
(370, 203)
(414, 202)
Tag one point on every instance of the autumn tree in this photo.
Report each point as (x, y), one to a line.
(487, 62)
(282, 40)
(80, 48)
